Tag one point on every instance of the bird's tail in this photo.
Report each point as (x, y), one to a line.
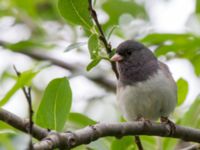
(138, 143)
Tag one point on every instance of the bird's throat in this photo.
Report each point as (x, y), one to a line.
(130, 73)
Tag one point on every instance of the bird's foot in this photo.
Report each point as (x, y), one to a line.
(146, 122)
(172, 126)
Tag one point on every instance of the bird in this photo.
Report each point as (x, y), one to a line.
(145, 87)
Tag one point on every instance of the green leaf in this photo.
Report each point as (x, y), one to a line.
(7, 132)
(37, 9)
(24, 79)
(26, 6)
(169, 143)
(112, 53)
(6, 142)
(74, 45)
(111, 31)
(100, 144)
(197, 6)
(93, 63)
(55, 105)
(192, 117)
(5, 126)
(164, 49)
(157, 38)
(26, 45)
(184, 45)
(76, 11)
(182, 90)
(82, 147)
(196, 63)
(93, 46)
(80, 119)
(125, 143)
(149, 141)
(115, 8)
(185, 49)
(20, 45)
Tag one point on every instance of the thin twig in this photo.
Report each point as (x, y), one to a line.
(102, 36)
(138, 143)
(30, 116)
(27, 93)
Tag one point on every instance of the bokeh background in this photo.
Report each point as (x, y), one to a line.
(34, 35)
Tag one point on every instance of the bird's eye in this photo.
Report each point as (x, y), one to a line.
(128, 52)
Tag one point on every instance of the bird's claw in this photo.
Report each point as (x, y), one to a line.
(172, 126)
(146, 122)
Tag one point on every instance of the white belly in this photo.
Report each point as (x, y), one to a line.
(150, 99)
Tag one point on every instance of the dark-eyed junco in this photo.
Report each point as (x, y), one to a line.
(145, 88)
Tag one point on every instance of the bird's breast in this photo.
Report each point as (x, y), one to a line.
(150, 99)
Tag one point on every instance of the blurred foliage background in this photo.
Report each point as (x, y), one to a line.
(34, 36)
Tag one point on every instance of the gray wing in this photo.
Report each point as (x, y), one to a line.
(167, 72)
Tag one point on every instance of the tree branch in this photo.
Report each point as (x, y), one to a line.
(92, 133)
(192, 147)
(22, 124)
(43, 57)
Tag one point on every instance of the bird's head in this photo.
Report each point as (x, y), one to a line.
(128, 51)
(135, 62)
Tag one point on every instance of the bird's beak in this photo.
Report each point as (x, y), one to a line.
(116, 58)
